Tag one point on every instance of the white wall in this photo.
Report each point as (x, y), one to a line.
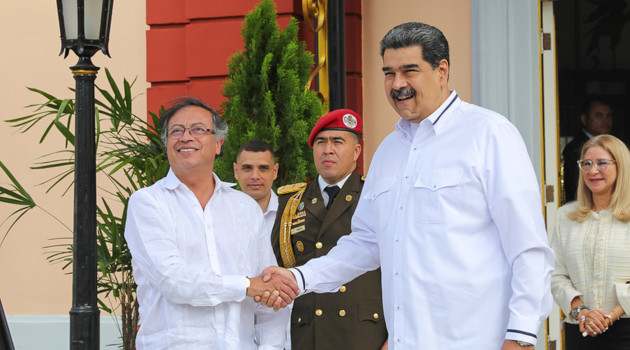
(29, 38)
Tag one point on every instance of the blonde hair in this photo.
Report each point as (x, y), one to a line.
(620, 200)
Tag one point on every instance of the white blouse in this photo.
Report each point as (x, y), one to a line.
(592, 261)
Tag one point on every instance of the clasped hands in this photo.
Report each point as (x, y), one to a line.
(594, 322)
(276, 287)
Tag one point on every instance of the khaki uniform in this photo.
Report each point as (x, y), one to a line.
(351, 318)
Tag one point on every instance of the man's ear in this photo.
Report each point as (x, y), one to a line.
(583, 119)
(443, 69)
(219, 145)
(276, 166)
(357, 151)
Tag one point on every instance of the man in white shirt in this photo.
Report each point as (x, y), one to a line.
(450, 211)
(255, 170)
(194, 241)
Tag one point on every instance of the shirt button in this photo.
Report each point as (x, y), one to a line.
(342, 313)
(318, 312)
(318, 245)
(342, 289)
(375, 316)
(299, 319)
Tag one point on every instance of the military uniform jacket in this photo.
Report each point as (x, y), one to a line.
(351, 318)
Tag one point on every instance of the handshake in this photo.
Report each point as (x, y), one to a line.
(276, 287)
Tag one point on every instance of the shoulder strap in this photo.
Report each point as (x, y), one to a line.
(286, 248)
(291, 188)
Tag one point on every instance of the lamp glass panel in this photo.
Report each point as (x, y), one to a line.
(93, 14)
(70, 19)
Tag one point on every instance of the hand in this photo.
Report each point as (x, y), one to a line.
(513, 345)
(273, 288)
(278, 289)
(385, 346)
(275, 274)
(593, 322)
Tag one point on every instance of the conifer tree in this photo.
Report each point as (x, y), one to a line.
(267, 98)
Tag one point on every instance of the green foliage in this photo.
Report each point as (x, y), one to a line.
(267, 98)
(130, 155)
(15, 195)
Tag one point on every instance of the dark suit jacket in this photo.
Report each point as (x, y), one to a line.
(571, 155)
(352, 319)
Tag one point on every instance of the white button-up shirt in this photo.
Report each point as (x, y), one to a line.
(191, 264)
(272, 210)
(453, 217)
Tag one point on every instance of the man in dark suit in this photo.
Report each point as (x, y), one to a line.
(596, 119)
(311, 218)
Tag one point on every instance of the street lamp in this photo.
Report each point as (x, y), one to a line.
(84, 26)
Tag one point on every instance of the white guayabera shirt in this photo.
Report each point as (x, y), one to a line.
(191, 264)
(270, 214)
(452, 215)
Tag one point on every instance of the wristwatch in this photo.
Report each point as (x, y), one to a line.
(576, 311)
(523, 343)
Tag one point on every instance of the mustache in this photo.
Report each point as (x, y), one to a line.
(406, 91)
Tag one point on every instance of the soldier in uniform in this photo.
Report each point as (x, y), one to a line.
(311, 218)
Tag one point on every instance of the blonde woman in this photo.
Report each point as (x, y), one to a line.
(591, 240)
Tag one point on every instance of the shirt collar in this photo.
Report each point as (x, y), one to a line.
(449, 104)
(273, 203)
(171, 182)
(588, 134)
(323, 184)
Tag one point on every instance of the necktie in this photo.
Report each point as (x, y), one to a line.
(332, 193)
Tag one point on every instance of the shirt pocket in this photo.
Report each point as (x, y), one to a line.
(432, 193)
(301, 317)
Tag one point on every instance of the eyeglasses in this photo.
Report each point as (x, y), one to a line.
(197, 131)
(600, 164)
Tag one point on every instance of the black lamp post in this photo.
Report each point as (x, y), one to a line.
(84, 26)
(337, 54)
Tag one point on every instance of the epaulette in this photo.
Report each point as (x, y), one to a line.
(291, 188)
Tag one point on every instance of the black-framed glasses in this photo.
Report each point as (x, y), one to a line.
(177, 131)
(600, 164)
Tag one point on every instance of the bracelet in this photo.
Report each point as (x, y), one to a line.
(614, 313)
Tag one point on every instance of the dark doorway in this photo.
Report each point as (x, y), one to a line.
(593, 59)
(593, 53)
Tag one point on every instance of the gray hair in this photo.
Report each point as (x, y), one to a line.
(432, 41)
(220, 128)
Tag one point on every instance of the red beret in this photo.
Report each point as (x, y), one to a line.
(340, 119)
